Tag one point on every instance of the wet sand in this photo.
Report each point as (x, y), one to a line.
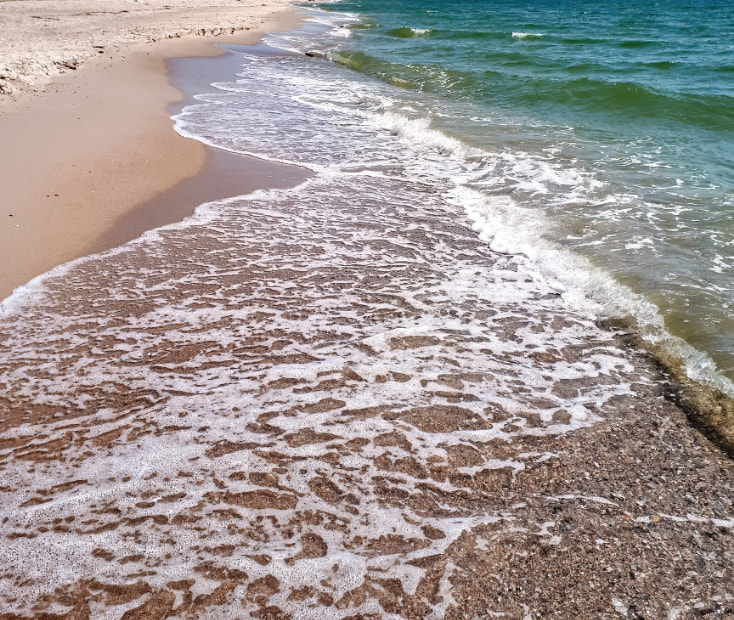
(227, 421)
(223, 175)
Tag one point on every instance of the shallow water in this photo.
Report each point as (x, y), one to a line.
(597, 136)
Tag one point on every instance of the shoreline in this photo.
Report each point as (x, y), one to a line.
(122, 102)
(96, 145)
(708, 410)
(299, 409)
(223, 175)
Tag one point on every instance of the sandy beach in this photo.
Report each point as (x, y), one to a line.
(286, 408)
(86, 133)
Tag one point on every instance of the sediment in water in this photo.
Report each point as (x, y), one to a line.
(708, 409)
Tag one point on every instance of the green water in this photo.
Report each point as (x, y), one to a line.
(633, 98)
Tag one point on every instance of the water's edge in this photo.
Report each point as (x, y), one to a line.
(709, 410)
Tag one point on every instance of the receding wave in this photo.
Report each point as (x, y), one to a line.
(582, 41)
(414, 77)
(393, 73)
(660, 64)
(635, 100)
(466, 35)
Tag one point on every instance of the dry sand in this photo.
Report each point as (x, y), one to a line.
(85, 132)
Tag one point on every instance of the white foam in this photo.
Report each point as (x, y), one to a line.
(216, 291)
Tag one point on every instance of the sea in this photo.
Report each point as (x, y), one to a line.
(323, 395)
(596, 139)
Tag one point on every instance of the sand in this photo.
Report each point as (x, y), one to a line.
(83, 117)
(228, 422)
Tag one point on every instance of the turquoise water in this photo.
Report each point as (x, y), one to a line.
(616, 121)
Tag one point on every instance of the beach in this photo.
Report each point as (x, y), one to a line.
(83, 114)
(288, 374)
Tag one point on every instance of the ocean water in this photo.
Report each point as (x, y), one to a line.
(595, 138)
(310, 394)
